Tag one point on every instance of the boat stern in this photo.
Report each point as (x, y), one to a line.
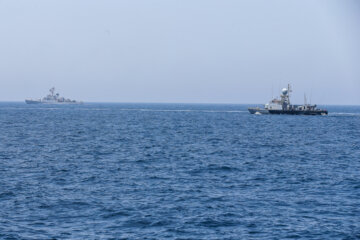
(258, 110)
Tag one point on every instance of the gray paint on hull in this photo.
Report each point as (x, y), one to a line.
(288, 112)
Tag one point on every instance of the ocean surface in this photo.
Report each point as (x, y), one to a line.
(177, 171)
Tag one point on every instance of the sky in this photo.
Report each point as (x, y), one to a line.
(181, 51)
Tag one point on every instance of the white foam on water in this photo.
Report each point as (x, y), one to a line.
(343, 114)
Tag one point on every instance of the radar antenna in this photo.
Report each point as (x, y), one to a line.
(289, 92)
(52, 90)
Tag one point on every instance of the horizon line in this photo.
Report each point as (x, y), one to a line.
(189, 103)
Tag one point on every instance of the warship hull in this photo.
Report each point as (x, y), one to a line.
(49, 102)
(52, 98)
(32, 101)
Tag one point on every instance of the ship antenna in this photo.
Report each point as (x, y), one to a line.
(52, 90)
(289, 91)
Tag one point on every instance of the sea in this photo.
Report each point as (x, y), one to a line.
(177, 171)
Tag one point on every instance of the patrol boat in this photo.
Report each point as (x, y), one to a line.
(52, 98)
(283, 106)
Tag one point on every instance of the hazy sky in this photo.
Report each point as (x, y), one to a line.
(200, 51)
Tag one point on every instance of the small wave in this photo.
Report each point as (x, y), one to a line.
(137, 222)
(29, 108)
(93, 109)
(7, 194)
(215, 167)
(213, 223)
(115, 214)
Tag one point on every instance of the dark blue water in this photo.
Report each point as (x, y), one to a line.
(162, 171)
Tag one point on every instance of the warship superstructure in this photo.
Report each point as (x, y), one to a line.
(283, 106)
(52, 98)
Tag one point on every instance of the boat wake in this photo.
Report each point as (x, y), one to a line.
(122, 109)
(182, 110)
(344, 114)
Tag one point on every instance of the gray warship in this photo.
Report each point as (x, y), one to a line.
(52, 98)
(283, 106)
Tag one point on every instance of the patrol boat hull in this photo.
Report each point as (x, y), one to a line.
(299, 112)
(283, 106)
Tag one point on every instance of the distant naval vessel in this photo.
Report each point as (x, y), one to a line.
(283, 106)
(52, 98)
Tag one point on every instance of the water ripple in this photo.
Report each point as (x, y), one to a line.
(177, 171)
